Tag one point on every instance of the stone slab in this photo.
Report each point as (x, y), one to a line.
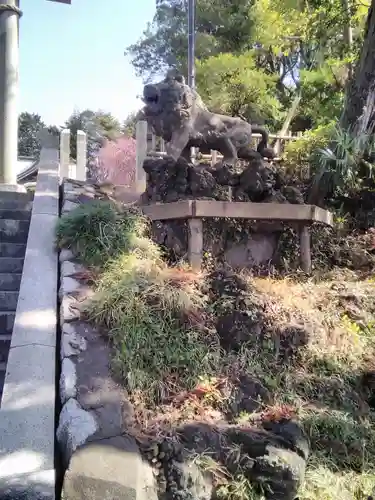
(72, 343)
(46, 196)
(36, 314)
(75, 427)
(27, 413)
(110, 469)
(66, 254)
(69, 268)
(68, 380)
(68, 286)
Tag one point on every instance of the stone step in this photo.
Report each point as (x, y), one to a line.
(14, 231)
(15, 196)
(11, 265)
(10, 282)
(4, 348)
(12, 250)
(15, 214)
(2, 377)
(16, 205)
(6, 322)
(8, 301)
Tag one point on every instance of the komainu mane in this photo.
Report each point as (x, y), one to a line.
(178, 115)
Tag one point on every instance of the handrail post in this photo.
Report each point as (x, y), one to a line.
(81, 156)
(64, 153)
(141, 137)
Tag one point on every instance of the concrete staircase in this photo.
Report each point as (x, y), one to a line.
(15, 213)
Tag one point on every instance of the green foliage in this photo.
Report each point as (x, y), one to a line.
(233, 85)
(300, 46)
(346, 159)
(99, 231)
(98, 126)
(323, 92)
(29, 126)
(129, 125)
(299, 154)
(144, 304)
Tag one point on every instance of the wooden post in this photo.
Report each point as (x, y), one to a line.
(141, 138)
(195, 243)
(305, 248)
(81, 156)
(64, 153)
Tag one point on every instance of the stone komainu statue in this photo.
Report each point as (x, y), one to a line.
(178, 115)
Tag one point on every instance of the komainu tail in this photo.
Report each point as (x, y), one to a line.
(263, 148)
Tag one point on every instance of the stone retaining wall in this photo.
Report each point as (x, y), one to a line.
(102, 459)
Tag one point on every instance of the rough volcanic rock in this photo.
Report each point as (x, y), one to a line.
(250, 180)
(273, 457)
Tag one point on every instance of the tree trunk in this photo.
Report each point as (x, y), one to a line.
(359, 109)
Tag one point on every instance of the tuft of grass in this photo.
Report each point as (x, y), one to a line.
(324, 482)
(227, 486)
(152, 313)
(100, 231)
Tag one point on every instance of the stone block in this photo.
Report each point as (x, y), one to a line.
(75, 427)
(72, 343)
(69, 268)
(68, 380)
(107, 470)
(66, 254)
(69, 309)
(68, 286)
(68, 206)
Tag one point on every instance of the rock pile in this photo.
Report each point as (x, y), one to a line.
(251, 180)
(272, 459)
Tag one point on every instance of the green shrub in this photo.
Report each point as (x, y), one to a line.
(299, 154)
(99, 231)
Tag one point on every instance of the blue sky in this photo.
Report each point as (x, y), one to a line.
(72, 56)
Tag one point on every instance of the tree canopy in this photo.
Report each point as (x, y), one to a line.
(256, 56)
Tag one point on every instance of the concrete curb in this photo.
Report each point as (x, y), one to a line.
(27, 413)
(101, 459)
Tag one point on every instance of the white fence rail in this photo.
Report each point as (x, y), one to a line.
(151, 146)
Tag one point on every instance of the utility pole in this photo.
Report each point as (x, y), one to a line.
(191, 43)
(9, 62)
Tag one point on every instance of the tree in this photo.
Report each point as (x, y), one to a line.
(29, 126)
(221, 26)
(116, 161)
(303, 47)
(233, 85)
(129, 125)
(99, 127)
(359, 110)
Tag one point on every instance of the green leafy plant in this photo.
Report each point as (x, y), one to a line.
(346, 159)
(299, 154)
